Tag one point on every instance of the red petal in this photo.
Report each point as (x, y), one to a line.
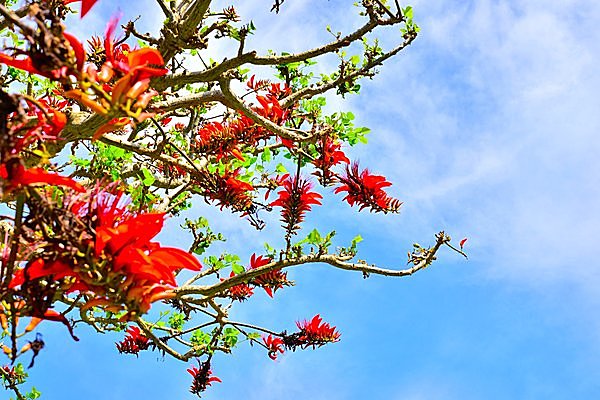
(145, 56)
(86, 5)
(52, 315)
(24, 64)
(38, 175)
(177, 258)
(77, 49)
(140, 228)
(108, 40)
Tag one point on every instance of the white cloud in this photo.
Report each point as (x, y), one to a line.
(497, 124)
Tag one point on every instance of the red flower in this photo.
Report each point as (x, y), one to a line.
(272, 281)
(149, 268)
(329, 156)
(138, 65)
(134, 342)
(86, 5)
(257, 262)
(220, 139)
(315, 333)
(19, 176)
(38, 268)
(239, 292)
(202, 377)
(227, 190)
(269, 281)
(27, 63)
(274, 345)
(131, 92)
(367, 190)
(295, 200)
(128, 270)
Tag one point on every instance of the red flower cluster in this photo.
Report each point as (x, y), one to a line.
(295, 200)
(34, 64)
(240, 292)
(143, 270)
(227, 190)
(269, 103)
(274, 346)
(366, 190)
(114, 260)
(202, 377)
(120, 89)
(316, 332)
(329, 156)
(269, 281)
(134, 342)
(40, 123)
(224, 139)
(124, 78)
(272, 281)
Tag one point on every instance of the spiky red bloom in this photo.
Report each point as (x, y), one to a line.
(134, 342)
(274, 345)
(272, 281)
(222, 139)
(227, 190)
(114, 258)
(329, 156)
(366, 190)
(269, 281)
(202, 377)
(257, 262)
(316, 332)
(295, 200)
(239, 292)
(149, 268)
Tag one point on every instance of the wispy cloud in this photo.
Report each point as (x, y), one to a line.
(499, 125)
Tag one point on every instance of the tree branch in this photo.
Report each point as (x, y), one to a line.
(331, 259)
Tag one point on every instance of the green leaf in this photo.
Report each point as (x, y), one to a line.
(237, 268)
(200, 338)
(281, 169)
(33, 394)
(176, 321)
(314, 237)
(148, 179)
(357, 239)
(230, 337)
(266, 155)
(270, 249)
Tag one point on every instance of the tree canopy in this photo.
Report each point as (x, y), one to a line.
(103, 138)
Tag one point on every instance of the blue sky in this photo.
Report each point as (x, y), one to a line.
(488, 127)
